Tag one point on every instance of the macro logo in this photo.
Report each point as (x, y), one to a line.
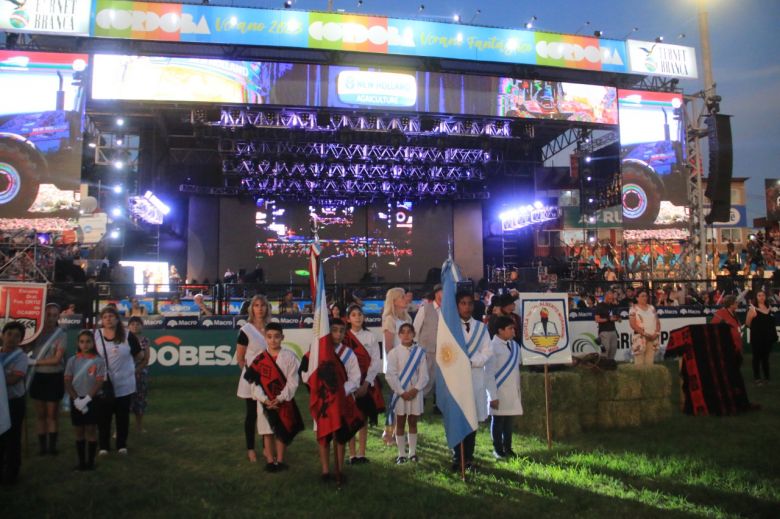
(170, 352)
(580, 52)
(356, 33)
(19, 19)
(166, 22)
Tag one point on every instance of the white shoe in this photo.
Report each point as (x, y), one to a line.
(102, 452)
(122, 451)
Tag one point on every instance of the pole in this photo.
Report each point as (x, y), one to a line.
(462, 463)
(547, 404)
(706, 53)
(330, 5)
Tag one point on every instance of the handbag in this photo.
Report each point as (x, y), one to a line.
(106, 394)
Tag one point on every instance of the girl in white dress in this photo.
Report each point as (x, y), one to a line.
(407, 375)
(250, 344)
(394, 315)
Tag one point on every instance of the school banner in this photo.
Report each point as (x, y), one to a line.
(545, 329)
(26, 303)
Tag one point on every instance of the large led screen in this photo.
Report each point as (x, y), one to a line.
(653, 170)
(144, 78)
(392, 241)
(41, 113)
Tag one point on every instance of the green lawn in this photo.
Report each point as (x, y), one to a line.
(191, 463)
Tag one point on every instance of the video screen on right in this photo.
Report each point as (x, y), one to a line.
(654, 176)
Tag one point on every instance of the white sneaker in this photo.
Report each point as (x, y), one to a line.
(102, 452)
(123, 452)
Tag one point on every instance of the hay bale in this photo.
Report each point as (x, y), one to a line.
(619, 413)
(589, 418)
(565, 391)
(623, 384)
(656, 381)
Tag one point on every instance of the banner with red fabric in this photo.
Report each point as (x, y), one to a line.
(710, 369)
(286, 421)
(373, 402)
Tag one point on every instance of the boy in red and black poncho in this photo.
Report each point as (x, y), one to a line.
(274, 374)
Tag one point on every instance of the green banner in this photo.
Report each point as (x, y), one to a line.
(608, 218)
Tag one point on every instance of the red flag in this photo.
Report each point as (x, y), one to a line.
(286, 420)
(364, 361)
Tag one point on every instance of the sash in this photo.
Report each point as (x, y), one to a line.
(364, 362)
(83, 369)
(503, 373)
(410, 368)
(476, 338)
(344, 354)
(286, 421)
(43, 353)
(16, 353)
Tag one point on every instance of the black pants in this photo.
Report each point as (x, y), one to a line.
(501, 431)
(119, 407)
(11, 442)
(468, 449)
(250, 423)
(761, 359)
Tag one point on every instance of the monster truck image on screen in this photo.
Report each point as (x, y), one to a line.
(652, 163)
(40, 128)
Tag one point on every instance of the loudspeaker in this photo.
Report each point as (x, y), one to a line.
(721, 165)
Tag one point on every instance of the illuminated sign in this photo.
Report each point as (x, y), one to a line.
(376, 88)
(354, 33)
(526, 216)
(50, 17)
(661, 59)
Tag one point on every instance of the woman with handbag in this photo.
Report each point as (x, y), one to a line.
(646, 327)
(763, 334)
(120, 351)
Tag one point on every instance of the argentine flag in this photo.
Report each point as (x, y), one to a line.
(454, 394)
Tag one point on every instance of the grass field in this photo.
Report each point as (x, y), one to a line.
(191, 463)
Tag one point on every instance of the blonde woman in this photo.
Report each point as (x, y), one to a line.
(394, 315)
(250, 344)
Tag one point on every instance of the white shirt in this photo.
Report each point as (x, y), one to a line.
(508, 395)
(396, 361)
(353, 370)
(288, 364)
(478, 361)
(370, 343)
(256, 345)
(121, 365)
(646, 319)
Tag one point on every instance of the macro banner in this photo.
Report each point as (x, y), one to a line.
(70, 17)
(353, 33)
(545, 329)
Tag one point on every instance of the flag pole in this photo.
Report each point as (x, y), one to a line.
(462, 463)
(547, 404)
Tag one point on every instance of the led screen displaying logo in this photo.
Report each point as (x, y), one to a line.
(365, 88)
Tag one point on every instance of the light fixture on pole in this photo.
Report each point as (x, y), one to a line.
(586, 24)
(456, 18)
(632, 31)
(477, 13)
(598, 34)
(530, 23)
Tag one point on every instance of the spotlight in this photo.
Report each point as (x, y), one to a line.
(114, 234)
(119, 142)
(538, 205)
(456, 18)
(92, 145)
(116, 211)
(598, 34)
(530, 23)
(117, 189)
(681, 36)
(421, 8)
(118, 164)
(588, 178)
(591, 219)
(590, 200)
(632, 31)
(659, 39)
(120, 121)
(588, 158)
(288, 4)
(360, 3)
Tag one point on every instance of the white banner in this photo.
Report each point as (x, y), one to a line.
(661, 59)
(545, 329)
(69, 17)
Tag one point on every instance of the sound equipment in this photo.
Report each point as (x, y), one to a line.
(721, 166)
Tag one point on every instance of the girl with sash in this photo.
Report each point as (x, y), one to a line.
(84, 376)
(275, 375)
(14, 364)
(407, 375)
(250, 344)
(369, 395)
(394, 314)
(502, 377)
(138, 405)
(46, 385)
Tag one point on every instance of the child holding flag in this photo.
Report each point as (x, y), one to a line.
(275, 375)
(407, 376)
(369, 395)
(84, 376)
(502, 373)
